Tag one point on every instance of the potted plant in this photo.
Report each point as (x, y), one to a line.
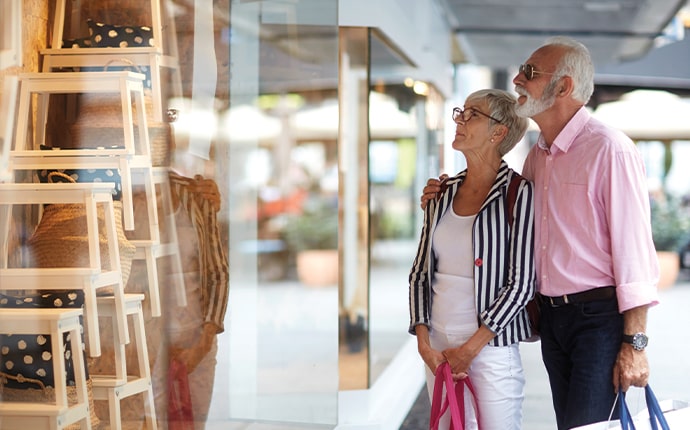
(670, 226)
(313, 238)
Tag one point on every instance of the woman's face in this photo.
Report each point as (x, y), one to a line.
(473, 127)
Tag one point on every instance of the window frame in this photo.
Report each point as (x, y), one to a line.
(10, 33)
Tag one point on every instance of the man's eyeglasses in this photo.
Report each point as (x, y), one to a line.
(465, 115)
(529, 71)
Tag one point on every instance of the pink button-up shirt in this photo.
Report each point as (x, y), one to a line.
(592, 216)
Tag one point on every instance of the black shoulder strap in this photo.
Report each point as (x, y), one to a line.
(512, 196)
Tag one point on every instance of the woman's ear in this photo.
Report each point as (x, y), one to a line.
(498, 133)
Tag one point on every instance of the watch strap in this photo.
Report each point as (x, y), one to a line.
(638, 341)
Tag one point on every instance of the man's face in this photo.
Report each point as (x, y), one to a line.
(539, 93)
(531, 106)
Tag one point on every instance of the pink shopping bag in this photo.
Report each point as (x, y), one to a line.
(455, 399)
(180, 413)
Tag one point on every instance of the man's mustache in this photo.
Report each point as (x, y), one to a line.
(521, 90)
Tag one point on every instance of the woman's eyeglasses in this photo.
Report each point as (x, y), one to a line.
(465, 115)
(529, 71)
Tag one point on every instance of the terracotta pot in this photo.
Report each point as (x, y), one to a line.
(669, 268)
(318, 268)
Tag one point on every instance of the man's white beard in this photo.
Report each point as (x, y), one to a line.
(532, 106)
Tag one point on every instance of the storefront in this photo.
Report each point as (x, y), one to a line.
(313, 125)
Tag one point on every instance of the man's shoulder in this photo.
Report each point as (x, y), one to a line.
(599, 141)
(607, 136)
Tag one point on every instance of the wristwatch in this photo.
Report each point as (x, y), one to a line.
(638, 341)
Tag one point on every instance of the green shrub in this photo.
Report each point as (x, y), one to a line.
(315, 228)
(670, 223)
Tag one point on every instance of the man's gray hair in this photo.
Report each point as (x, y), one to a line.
(576, 63)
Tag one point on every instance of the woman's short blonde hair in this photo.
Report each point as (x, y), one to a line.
(502, 106)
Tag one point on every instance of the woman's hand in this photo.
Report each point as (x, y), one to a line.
(192, 356)
(432, 357)
(431, 190)
(460, 359)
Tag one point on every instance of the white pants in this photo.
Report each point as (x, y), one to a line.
(498, 380)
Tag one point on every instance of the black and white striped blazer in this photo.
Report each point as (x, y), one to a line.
(504, 273)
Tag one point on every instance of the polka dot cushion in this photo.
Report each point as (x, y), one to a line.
(84, 42)
(29, 357)
(84, 175)
(87, 42)
(119, 36)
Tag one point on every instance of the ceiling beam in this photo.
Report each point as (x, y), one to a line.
(555, 32)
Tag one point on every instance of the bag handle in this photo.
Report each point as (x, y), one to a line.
(180, 412)
(656, 415)
(130, 63)
(655, 412)
(438, 408)
(62, 175)
(455, 398)
(21, 379)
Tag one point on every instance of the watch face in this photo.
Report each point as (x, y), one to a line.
(639, 341)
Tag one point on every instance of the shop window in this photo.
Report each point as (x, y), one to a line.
(10, 33)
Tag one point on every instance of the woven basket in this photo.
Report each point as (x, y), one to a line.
(90, 136)
(60, 239)
(160, 138)
(105, 109)
(47, 395)
(99, 123)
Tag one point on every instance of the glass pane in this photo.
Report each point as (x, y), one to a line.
(354, 198)
(280, 161)
(402, 150)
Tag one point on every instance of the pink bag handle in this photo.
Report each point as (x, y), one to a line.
(455, 398)
(180, 412)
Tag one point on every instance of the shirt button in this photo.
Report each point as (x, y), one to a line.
(478, 262)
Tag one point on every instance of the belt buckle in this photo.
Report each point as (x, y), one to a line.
(552, 300)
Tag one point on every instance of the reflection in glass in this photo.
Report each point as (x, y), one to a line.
(279, 139)
(353, 195)
(398, 153)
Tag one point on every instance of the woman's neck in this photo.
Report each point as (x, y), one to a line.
(482, 173)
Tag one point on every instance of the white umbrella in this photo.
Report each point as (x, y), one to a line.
(386, 120)
(389, 122)
(248, 124)
(316, 123)
(648, 115)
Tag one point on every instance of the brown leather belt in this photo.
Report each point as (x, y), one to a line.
(601, 293)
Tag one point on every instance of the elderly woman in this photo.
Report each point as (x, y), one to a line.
(474, 270)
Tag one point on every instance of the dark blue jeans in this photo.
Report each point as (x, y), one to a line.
(579, 344)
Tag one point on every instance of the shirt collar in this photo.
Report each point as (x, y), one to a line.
(501, 180)
(567, 136)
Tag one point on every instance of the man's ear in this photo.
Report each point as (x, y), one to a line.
(565, 87)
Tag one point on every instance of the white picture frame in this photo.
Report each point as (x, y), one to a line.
(10, 33)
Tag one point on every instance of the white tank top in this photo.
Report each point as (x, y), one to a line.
(453, 298)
